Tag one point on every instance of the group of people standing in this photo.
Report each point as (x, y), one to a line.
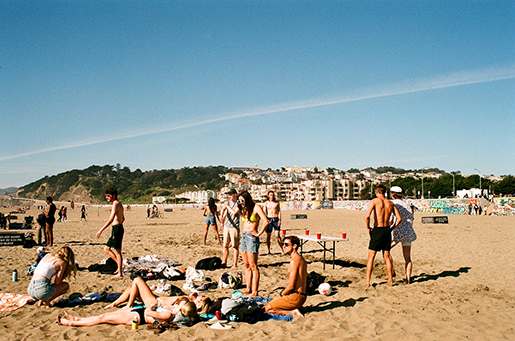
(46, 220)
(240, 209)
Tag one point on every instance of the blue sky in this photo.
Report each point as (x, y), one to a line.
(171, 84)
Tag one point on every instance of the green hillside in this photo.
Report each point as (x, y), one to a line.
(133, 186)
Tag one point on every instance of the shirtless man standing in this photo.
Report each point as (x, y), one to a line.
(294, 295)
(273, 212)
(113, 246)
(381, 234)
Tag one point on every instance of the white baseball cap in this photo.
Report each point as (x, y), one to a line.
(396, 189)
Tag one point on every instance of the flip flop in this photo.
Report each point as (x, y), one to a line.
(220, 326)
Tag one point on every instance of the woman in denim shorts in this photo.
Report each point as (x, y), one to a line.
(60, 265)
(251, 215)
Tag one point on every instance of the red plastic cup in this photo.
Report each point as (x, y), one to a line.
(344, 235)
(307, 232)
(319, 235)
(284, 232)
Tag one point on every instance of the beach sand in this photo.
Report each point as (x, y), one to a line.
(463, 279)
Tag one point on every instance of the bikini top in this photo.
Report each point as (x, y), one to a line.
(252, 219)
(46, 269)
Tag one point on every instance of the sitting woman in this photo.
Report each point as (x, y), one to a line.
(140, 290)
(186, 316)
(60, 265)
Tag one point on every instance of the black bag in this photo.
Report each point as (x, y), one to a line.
(314, 280)
(211, 263)
(250, 313)
(110, 267)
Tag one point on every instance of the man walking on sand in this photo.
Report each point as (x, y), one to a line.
(381, 234)
(273, 212)
(113, 246)
(230, 220)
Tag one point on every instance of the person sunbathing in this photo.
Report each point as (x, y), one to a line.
(140, 290)
(186, 316)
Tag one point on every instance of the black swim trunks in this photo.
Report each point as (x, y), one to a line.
(274, 225)
(115, 241)
(380, 239)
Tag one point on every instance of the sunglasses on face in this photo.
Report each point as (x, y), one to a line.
(286, 244)
(240, 201)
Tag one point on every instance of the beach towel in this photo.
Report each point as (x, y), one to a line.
(12, 302)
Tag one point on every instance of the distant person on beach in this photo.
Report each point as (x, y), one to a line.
(404, 232)
(60, 214)
(251, 215)
(83, 213)
(211, 214)
(65, 214)
(291, 299)
(113, 246)
(49, 221)
(381, 234)
(41, 220)
(230, 220)
(273, 212)
(60, 265)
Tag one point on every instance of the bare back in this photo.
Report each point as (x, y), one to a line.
(383, 209)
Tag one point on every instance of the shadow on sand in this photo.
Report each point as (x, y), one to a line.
(425, 277)
(323, 306)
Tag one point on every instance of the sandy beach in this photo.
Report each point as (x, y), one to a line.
(463, 279)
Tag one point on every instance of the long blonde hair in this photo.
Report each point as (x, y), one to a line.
(190, 309)
(67, 255)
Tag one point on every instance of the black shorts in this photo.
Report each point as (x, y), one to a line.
(380, 239)
(274, 225)
(115, 241)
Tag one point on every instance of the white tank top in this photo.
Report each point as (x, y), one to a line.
(46, 269)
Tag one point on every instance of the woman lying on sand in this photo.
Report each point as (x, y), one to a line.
(139, 289)
(60, 265)
(187, 316)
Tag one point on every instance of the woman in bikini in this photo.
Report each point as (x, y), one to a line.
(160, 309)
(211, 214)
(186, 316)
(251, 215)
(140, 290)
(60, 265)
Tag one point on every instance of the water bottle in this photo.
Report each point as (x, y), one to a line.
(15, 275)
(135, 322)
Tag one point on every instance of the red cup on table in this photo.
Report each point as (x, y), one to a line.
(307, 232)
(344, 235)
(284, 232)
(319, 235)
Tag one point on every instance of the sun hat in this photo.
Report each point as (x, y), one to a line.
(396, 189)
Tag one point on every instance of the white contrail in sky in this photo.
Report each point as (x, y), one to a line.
(394, 89)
